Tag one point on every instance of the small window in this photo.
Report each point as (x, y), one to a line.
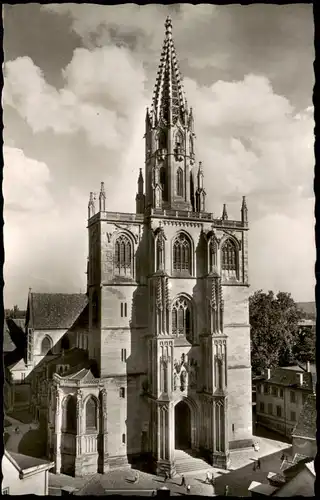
(262, 407)
(123, 439)
(266, 389)
(23, 376)
(293, 416)
(259, 389)
(123, 309)
(262, 389)
(292, 397)
(279, 412)
(270, 408)
(281, 393)
(124, 355)
(274, 391)
(232, 427)
(122, 392)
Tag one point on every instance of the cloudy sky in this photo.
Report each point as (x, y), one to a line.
(77, 81)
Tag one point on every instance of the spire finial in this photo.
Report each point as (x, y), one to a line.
(102, 198)
(244, 210)
(224, 212)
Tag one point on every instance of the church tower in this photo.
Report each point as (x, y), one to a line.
(168, 301)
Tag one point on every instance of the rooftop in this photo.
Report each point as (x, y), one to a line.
(25, 462)
(289, 378)
(52, 311)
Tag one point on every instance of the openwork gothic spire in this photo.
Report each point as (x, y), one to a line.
(169, 102)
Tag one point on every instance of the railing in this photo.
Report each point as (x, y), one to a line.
(90, 443)
(179, 214)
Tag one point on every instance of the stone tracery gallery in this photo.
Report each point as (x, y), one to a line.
(168, 321)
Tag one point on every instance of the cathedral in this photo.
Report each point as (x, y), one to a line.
(168, 330)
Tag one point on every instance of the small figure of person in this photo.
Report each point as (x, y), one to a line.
(258, 464)
(188, 488)
(136, 479)
(207, 481)
(183, 480)
(166, 477)
(226, 490)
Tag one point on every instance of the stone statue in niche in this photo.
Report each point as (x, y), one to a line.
(183, 380)
(193, 371)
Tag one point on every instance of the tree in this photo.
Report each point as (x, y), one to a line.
(274, 325)
(304, 348)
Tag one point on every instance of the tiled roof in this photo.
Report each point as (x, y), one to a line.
(25, 462)
(8, 344)
(56, 310)
(289, 378)
(292, 471)
(306, 425)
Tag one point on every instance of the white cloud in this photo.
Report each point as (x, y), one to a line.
(26, 183)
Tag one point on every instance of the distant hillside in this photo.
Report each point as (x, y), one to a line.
(309, 309)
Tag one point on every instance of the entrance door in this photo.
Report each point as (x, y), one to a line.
(182, 426)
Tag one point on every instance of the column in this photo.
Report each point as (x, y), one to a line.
(58, 423)
(165, 439)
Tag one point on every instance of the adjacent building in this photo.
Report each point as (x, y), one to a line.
(304, 433)
(280, 396)
(24, 475)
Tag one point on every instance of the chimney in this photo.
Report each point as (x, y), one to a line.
(268, 373)
(300, 376)
(308, 366)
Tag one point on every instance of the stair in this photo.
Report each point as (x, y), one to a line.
(187, 463)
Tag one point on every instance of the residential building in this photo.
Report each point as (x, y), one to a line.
(168, 335)
(280, 396)
(296, 480)
(24, 475)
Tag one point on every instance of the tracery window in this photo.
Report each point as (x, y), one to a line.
(181, 317)
(179, 141)
(91, 414)
(46, 346)
(70, 415)
(180, 182)
(182, 254)
(229, 256)
(123, 256)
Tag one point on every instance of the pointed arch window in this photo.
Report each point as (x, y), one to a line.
(162, 140)
(123, 256)
(182, 318)
(180, 182)
(163, 182)
(229, 258)
(182, 254)
(70, 415)
(46, 346)
(91, 414)
(179, 141)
